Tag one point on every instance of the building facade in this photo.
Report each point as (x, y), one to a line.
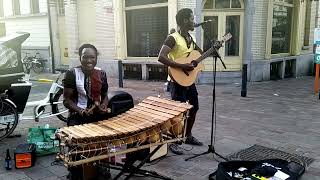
(32, 16)
(274, 37)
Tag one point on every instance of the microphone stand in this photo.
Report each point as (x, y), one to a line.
(211, 149)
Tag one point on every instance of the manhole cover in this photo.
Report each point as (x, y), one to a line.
(257, 152)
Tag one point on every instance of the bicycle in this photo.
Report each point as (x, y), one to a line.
(35, 62)
(9, 115)
(53, 99)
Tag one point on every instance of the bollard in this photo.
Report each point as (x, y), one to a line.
(120, 73)
(244, 81)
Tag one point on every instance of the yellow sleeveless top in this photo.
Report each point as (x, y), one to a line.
(180, 48)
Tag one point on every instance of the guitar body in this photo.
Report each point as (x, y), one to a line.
(180, 76)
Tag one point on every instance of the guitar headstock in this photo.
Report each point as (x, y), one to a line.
(226, 37)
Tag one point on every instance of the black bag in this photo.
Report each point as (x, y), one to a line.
(293, 169)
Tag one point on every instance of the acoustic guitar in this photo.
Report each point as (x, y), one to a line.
(187, 78)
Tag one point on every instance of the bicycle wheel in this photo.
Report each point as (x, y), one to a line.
(37, 67)
(8, 119)
(56, 108)
(26, 66)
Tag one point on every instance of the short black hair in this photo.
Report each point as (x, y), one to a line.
(183, 14)
(87, 46)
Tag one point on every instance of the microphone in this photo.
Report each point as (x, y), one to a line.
(202, 23)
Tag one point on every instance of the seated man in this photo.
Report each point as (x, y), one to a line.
(86, 89)
(86, 97)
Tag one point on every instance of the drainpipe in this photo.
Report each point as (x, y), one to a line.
(51, 39)
(247, 58)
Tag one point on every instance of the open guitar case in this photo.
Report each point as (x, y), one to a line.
(256, 170)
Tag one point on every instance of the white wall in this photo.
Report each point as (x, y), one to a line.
(42, 6)
(36, 26)
(86, 21)
(7, 8)
(105, 32)
(25, 7)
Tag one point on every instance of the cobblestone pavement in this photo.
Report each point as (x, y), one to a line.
(280, 114)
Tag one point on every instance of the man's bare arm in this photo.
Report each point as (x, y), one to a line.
(68, 103)
(163, 58)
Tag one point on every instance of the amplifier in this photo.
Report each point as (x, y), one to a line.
(25, 155)
(142, 154)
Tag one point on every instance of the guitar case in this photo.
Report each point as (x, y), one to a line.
(119, 102)
(256, 170)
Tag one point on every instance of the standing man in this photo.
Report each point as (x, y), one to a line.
(177, 45)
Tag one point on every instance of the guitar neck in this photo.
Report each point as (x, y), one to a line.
(208, 53)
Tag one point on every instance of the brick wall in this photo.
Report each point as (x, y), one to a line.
(259, 29)
(72, 29)
(105, 33)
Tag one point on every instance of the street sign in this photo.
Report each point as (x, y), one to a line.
(317, 59)
(317, 55)
(316, 36)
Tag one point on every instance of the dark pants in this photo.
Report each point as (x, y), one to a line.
(77, 119)
(76, 173)
(184, 94)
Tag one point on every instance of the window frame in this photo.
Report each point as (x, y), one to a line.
(32, 10)
(294, 36)
(232, 61)
(214, 5)
(16, 7)
(1, 9)
(60, 7)
(146, 6)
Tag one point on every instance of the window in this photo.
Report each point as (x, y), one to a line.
(233, 26)
(222, 4)
(35, 7)
(143, 2)
(281, 27)
(16, 7)
(210, 32)
(146, 28)
(61, 10)
(307, 21)
(1, 8)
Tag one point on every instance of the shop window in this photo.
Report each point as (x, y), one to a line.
(146, 28)
(61, 9)
(281, 28)
(306, 39)
(222, 4)
(233, 26)
(210, 32)
(35, 6)
(143, 2)
(16, 7)
(1, 8)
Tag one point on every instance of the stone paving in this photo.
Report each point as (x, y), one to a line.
(279, 114)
